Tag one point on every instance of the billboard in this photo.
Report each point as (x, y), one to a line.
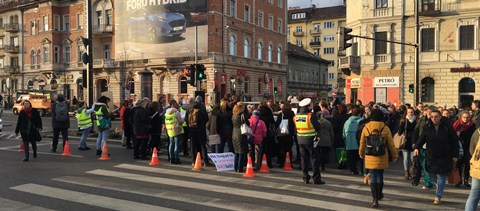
(149, 29)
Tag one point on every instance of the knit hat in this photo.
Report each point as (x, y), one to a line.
(256, 112)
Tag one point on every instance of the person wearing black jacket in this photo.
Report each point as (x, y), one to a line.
(197, 118)
(128, 126)
(155, 113)
(338, 122)
(285, 143)
(141, 125)
(225, 127)
(407, 127)
(29, 122)
(268, 143)
(57, 125)
(442, 150)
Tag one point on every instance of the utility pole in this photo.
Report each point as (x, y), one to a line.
(199, 82)
(417, 53)
(90, 53)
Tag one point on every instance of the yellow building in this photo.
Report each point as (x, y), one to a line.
(449, 51)
(315, 29)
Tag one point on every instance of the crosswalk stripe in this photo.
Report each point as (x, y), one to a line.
(160, 193)
(8, 204)
(281, 186)
(10, 136)
(85, 198)
(229, 190)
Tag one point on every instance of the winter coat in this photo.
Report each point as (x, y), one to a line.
(240, 145)
(337, 123)
(377, 162)
(224, 124)
(473, 141)
(122, 114)
(212, 124)
(155, 122)
(22, 123)
(260, 132)
(56, 124)
(266, 115)
(128, 119)
(442, 146)
(286, 114)
(326, 133)
(141, 122)
(409, 129)
(350, 132)
(202, 118)
(180, 120)
(465, 137)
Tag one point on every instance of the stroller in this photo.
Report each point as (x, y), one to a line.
(416, 170)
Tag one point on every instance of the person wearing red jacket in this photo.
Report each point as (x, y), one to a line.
(259, 130)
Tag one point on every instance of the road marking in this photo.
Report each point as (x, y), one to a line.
(17, 147)
(229, 190)
(85, 198)
(280, 186)
(11, 135)
(8, 204)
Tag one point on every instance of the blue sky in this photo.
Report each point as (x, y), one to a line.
(319, 3)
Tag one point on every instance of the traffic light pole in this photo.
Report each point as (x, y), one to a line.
(199, 82)
(417, 54)
(90, 53)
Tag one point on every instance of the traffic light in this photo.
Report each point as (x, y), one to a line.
(411, 88)
(201, 72)
(275, 90)
(343, 37)
(86, 43)
(192, 75)
(424, 89)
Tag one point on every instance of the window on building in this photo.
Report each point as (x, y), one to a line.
(1, 42)
(56, 56)
(259, 85)
(99, 18)
(299, 42)
(270, 22)
(381, 4)
(14, 41)
(298, 16)
(66, 52)
(56, 22)
(428, 84)
(79, 21)
(260, 19)
(280, 26)
(32, 57)
(279, 55)
(246, 48)
(259, 51)
(380, 46)
(246, 85)
(164, 82)
(46, 52)
(270, 49)
(4, 85)
(66, 23)
(298, 29)
(39, 57)
(328, 38)
(108, 17)
(246, 14)
(32, 27)
(45, 23)
(232, 45)
(280, 3)
(270, 1)
(1, 23)
(332, 63)
(467, 37)
(428, 40)
(14, 61)
(330, 50)
(183, 85)
(233, 8)
(328, 25)
(107, 52)
(331, 76)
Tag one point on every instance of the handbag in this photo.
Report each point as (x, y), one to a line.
(36, 135)
(399, 141)
(454, 176)
(282, 129)
(244, 128)
(341, 155)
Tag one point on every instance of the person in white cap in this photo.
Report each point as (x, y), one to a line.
(307, 128)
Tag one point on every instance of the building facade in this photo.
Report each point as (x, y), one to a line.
(448, 44)
(315, 29)
(306, 73)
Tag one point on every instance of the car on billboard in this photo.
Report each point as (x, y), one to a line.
(156, 24)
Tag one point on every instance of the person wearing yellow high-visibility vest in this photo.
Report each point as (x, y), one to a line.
(84, 122)
(307, 128)
(173, 125)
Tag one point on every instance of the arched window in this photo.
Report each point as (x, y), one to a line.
(164, 85)
(30, 84)
(279, 55)
(279, 87)
(270, 49)
(66, 51)
(183, 85)
(260, 81)
(32, 57)
(246, 85)
(246, 48)
(259, 51)
(428, 89)
(39, 57)
(132, 85)
(103, 85)
(232, 45)
(466, 85)
(4, 85)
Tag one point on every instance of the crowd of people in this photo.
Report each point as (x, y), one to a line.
(360, 135)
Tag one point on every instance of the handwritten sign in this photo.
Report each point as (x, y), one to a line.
(223, 161)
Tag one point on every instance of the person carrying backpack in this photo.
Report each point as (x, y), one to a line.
(60, 121)
(375, 143)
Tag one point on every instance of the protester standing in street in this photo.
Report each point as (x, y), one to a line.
(29, 122)
(225, 127)
(155, 113)
(196, 118)
(326, 138)
(127, 126)
(173, 125)
(239, 141)
(407, 126)
(60, 121)
(259, 130)
(351, 142)
(285, 141)
(103, 121)
(84, 122)
(141, 129)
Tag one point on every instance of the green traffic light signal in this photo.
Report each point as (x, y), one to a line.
(275, 90)
(411, 88)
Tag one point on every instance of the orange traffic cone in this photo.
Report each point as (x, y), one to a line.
(287, 165)
(249, 173)
(66, 149)
(198, 163)
(264, 168)
(22, 149)
(105, 155)
(154, 161)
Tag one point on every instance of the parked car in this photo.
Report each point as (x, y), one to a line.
(156, 24)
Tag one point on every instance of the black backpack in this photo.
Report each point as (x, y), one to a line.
(375, 144)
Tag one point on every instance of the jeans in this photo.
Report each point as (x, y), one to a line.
(407, 159)
(56, 134)
(474, 197)
(83, 140)
(102, 137)
(221, 146)
(376, 175)
(174, 146)
(441, 181)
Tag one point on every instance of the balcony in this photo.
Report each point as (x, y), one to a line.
(349, 63)
(102, 29)
(11, 49)
(12, 69)
(104, 63)
(382, 58)
(12, 27)
(314, 31)
(298, 34)
(381, 12)
(315, 44)
(432, 8)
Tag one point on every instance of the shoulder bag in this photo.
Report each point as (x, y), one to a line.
(244, 128)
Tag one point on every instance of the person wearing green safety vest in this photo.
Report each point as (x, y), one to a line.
(173, 125)
(307, 128)
(84, 122)
(102, 112)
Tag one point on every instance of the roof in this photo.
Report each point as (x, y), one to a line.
(313, 13)
(8, 5)
(295, 50)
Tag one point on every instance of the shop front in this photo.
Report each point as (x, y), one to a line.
(378, 89)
